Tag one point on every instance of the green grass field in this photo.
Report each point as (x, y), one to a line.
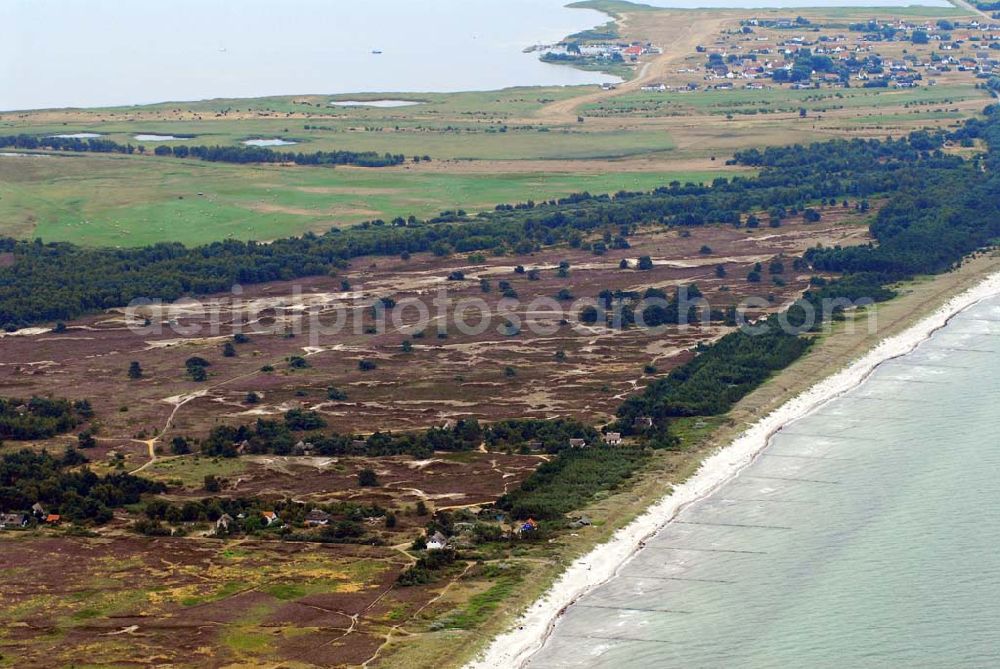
(456, 126)
(102, 200)
(740, 101)
(440, 142)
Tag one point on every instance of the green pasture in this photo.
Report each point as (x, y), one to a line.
(112, 200)
(440, 139)
(741, 101)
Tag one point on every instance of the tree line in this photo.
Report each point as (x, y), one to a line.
(307, 427)
(58, 281)
(220, 154)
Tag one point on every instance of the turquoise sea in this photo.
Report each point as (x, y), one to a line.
(867, 534)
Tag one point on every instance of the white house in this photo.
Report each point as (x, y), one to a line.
(437, 542)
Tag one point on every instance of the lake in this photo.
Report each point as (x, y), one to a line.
(268, 142)
(865, 535)
(143, 137)
(385, 104)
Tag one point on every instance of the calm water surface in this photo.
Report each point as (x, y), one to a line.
(866, 535)
(59, 53)
(104, 52)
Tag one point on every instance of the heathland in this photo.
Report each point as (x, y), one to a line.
(237, 479)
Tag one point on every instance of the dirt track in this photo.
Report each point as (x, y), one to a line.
(678, 39)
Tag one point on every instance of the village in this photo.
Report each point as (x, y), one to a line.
(797, 54)
(597, 54)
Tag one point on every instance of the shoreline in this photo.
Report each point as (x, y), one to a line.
(533, 627)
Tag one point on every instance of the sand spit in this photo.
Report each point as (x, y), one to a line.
(516, 646)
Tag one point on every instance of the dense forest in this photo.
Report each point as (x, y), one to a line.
(62, 487)
(571, 480)
(712, 381)
(303, 430)
(218, 154)
(40, 417)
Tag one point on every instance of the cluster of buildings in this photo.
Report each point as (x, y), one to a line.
(597, 51)
(20, 520)
(807, 61)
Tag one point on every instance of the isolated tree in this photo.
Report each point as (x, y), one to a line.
(134, 370)
(228, 350)
(196, 361)
(367, 478)
(645, 262)
(86, 439)
(179, 446)
(72, 457)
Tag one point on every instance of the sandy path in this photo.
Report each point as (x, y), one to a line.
(972, 9)
(678, 41)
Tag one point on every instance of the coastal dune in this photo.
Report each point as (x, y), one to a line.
(515, 647)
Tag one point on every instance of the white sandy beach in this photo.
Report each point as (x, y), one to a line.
(515, 647)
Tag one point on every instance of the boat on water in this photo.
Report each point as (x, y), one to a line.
(377, 51)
